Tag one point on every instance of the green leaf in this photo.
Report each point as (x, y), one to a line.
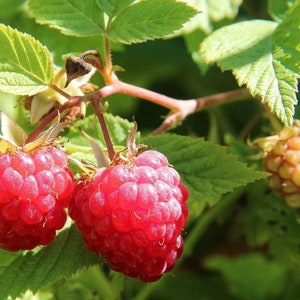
(221, 9)
(25, 64)
(207, 169)
(202, 20)
(211, 11)
(245, 48)
(148, 20)
(79, 148)
(49, 37)
(118, 129)
(251, 276)
(277, 8)
(287, 40)
(114, 7)
(71, 17)
(6, 258)
(65, 256)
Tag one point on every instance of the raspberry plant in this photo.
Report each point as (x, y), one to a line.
(87, 202)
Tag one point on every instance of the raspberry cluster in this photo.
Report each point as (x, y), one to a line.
(35, 189)
(133, 215)
(282, 160)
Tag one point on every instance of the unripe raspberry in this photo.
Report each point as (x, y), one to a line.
(35, 189)
(282, 160)
(133, 215)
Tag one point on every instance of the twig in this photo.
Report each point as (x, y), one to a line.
(179, 109)
(219, 98)
(36, 132)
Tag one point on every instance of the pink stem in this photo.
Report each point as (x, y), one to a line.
(36, 132)
(179, 109)
(221, 98)
(157, 98)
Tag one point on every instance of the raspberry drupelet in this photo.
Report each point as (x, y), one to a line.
(133, 215)
(35, 189)
(282, 161)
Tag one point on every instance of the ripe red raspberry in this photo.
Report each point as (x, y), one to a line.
(282, 160)
(35, 189)
(133, 214)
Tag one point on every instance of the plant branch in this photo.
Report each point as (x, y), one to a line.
(179, 109)
(49, 118)
(219, 98)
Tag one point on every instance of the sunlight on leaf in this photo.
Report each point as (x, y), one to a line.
(287, 40)
(221, 9)
(205, 167)
(150, 19)
(277, 9)
(210, 11)
(26, 65)
(114, 7)
(245, 48)
(71, 17)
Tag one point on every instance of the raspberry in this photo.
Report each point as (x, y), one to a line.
(35, 189)
(133, 214)
(282, 160)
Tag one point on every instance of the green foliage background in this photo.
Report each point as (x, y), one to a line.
(241, 242)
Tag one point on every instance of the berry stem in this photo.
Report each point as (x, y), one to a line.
(99, 113)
